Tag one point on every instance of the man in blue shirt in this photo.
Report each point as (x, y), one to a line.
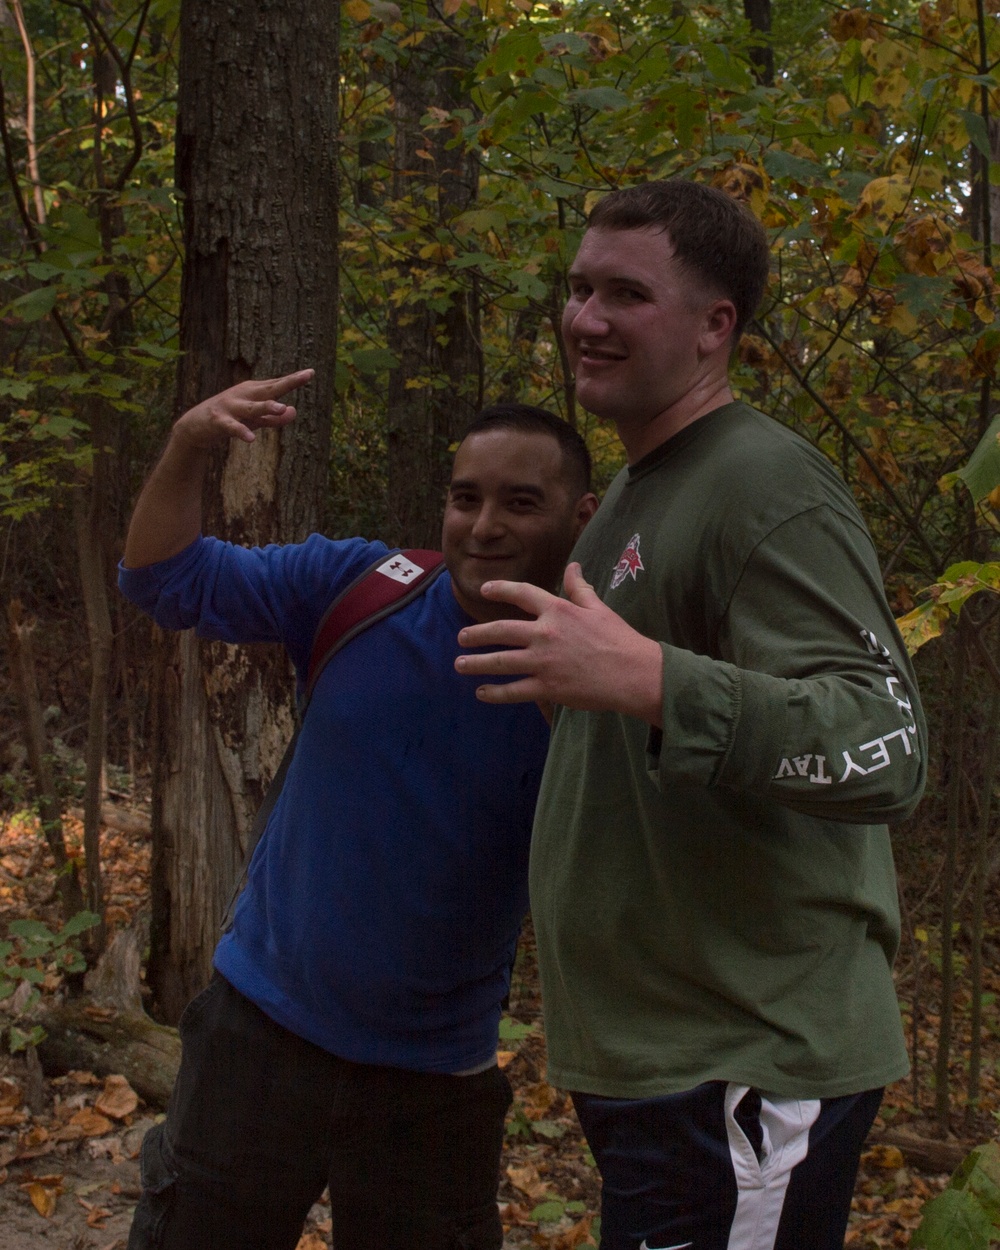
(348, 1037)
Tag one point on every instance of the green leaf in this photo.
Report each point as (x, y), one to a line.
(513, 1031)
(16, 388)
(78, 923)
(33, 930)
(35, 305)
(373, 360)
(599, 98)
(548, 1129)
(550, 1210)
(979, 1174)
(921, 293)
(780, 164)
(982, 473)
(34, 976)
(42, 270)
(976, 128)
(19, 1040)
(953, 1220)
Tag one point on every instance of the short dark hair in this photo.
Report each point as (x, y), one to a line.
(531, 420)
(714, 236)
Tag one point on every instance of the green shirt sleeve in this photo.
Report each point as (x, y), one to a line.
(812, 701)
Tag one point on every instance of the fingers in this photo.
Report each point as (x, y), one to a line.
(578, 589)
(273, 388)
(507, 633)
(530, 599)
(526, 691)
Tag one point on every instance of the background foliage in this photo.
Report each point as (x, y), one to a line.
(474, 139)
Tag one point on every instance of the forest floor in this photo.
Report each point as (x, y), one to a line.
(69, 1172)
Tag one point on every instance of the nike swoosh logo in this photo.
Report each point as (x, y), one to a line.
(683, 1246)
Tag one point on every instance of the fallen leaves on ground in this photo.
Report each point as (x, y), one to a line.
(550, 1190)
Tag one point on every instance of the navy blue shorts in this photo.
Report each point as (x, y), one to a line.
(261, 1121)
(725, 1167)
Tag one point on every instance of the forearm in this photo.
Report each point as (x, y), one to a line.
(167, 517)
(840, 746)
(168, 513)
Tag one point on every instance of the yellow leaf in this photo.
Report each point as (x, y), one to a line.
(505, 1058)
(43, 1197)
(837, 105)
(901, 319)
(891, 89)
(885, 198)
(359, 10)
(922, 624)
(890, 1158)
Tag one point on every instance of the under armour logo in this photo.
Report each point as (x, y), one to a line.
(399, 569)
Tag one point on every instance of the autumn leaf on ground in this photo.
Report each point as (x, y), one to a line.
(92, 1123)
(10, 1094)
(512, 1214)
(43, 1192)
(310, 1241)
(526, 1179)
(888, 1157)
(118, 1098)
(578, 1235)
(95, 1215)
(537, 1099)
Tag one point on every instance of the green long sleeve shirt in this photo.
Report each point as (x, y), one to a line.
(717, 900)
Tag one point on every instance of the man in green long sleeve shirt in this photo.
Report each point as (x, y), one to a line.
(712, 881)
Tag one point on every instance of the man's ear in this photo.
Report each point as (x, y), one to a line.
(586, 506)
(718, 326)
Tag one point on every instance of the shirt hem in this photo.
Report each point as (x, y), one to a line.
(776, 1084)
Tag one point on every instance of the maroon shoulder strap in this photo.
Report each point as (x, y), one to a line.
(379, 590)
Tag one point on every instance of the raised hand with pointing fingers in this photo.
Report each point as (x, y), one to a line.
(168, 514)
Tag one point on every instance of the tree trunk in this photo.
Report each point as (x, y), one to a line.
(256, 162)
(107, 1031)
(437, 385)
(758, 14)
(89, 515)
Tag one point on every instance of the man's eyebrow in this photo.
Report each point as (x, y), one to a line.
(512, 488)
(624, 279)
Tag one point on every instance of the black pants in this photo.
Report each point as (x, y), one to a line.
(725, 1167)
(261, 1121)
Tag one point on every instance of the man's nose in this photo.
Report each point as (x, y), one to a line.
(488, 523)
(588, 320)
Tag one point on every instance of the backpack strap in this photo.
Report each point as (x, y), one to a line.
(379, 590)
(382, 588)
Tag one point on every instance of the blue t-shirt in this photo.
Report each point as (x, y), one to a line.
(384, 900)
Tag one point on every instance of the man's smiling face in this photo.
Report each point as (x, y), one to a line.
(634, 326)
(511, 514)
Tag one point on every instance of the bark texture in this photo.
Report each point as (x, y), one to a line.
(437, 386)
(256, 162)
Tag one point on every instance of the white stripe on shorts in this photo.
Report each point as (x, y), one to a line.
(761, 1185)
